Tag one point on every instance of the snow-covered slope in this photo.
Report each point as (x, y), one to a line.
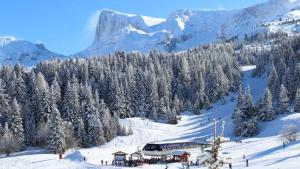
(183, 29)
(263, 151)
(288, 23)
(14, 51)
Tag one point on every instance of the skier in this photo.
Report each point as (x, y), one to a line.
(247, 163)
(84, 159)
(102, 162)
(230, 166)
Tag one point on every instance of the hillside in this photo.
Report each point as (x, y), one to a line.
(263, 151)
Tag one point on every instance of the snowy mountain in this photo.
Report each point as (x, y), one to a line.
(14, 51)
(288, 23)
(185, 28)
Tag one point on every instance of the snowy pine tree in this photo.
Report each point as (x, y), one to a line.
(95, 135)
(266, 111)
(56, 137)
(71, 104)
(4, 106)
(240, 98)
(297, 101)
(16, 126)
(273, 82)
(283, 101)
(249, 128)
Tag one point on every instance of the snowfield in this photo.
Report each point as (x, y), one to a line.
(264, 151)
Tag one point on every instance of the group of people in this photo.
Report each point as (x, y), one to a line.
(136, 163)
(128, 163)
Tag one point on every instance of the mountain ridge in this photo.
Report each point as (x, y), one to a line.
(183, 29)
(13, 51)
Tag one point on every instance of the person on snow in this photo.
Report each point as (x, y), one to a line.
(230, 166)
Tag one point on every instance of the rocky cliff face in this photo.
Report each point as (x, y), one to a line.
(183, 29)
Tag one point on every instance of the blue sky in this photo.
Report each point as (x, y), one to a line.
(64, 26)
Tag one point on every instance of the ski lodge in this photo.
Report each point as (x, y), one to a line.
(120, 156)
(179, 151)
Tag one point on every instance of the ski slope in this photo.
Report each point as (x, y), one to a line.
(263, 151)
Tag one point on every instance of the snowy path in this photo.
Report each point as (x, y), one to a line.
(264, 151)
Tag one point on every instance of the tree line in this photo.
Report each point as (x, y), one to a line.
(78, 102)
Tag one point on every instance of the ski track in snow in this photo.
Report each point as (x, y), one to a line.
(264, 151)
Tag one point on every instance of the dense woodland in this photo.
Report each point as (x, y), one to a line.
(279, 60)
(61, 104)
(78, 102)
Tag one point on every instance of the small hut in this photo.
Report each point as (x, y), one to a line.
(138, 155)
(119, 156)
(181, 156)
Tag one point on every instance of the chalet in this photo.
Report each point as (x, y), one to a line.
(181, 156)
(168, 149)
(120, 156)
(138, 155)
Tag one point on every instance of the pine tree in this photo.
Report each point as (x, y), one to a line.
(16, 125)
(247, 101)
(80, 133)
(44, 106)
(8, 142)
(43, 100)
(1, 130)
(71, 104)
(296, 79)
(266, 112)
(177, 104)
(151, 99)
(56, 92)
(139, 94)
(240, 98)
(4, 106)
(94, 133)
(283, 101)
(116, 98)
(273, 82)
(238, 120)
(249, 128)
(56, 138)
(171, 117)
(297, 101)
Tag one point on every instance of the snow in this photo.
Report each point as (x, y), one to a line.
(187, 28)
(263, 151)
(6, 39)
(150, 21)
(14, 51)
(181, 23)
(247, 68)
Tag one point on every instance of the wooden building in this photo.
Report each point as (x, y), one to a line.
(138, 155)
(119, 156)
(181, 156)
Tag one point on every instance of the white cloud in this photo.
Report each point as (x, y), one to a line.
(90, 26)
(92, 22)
